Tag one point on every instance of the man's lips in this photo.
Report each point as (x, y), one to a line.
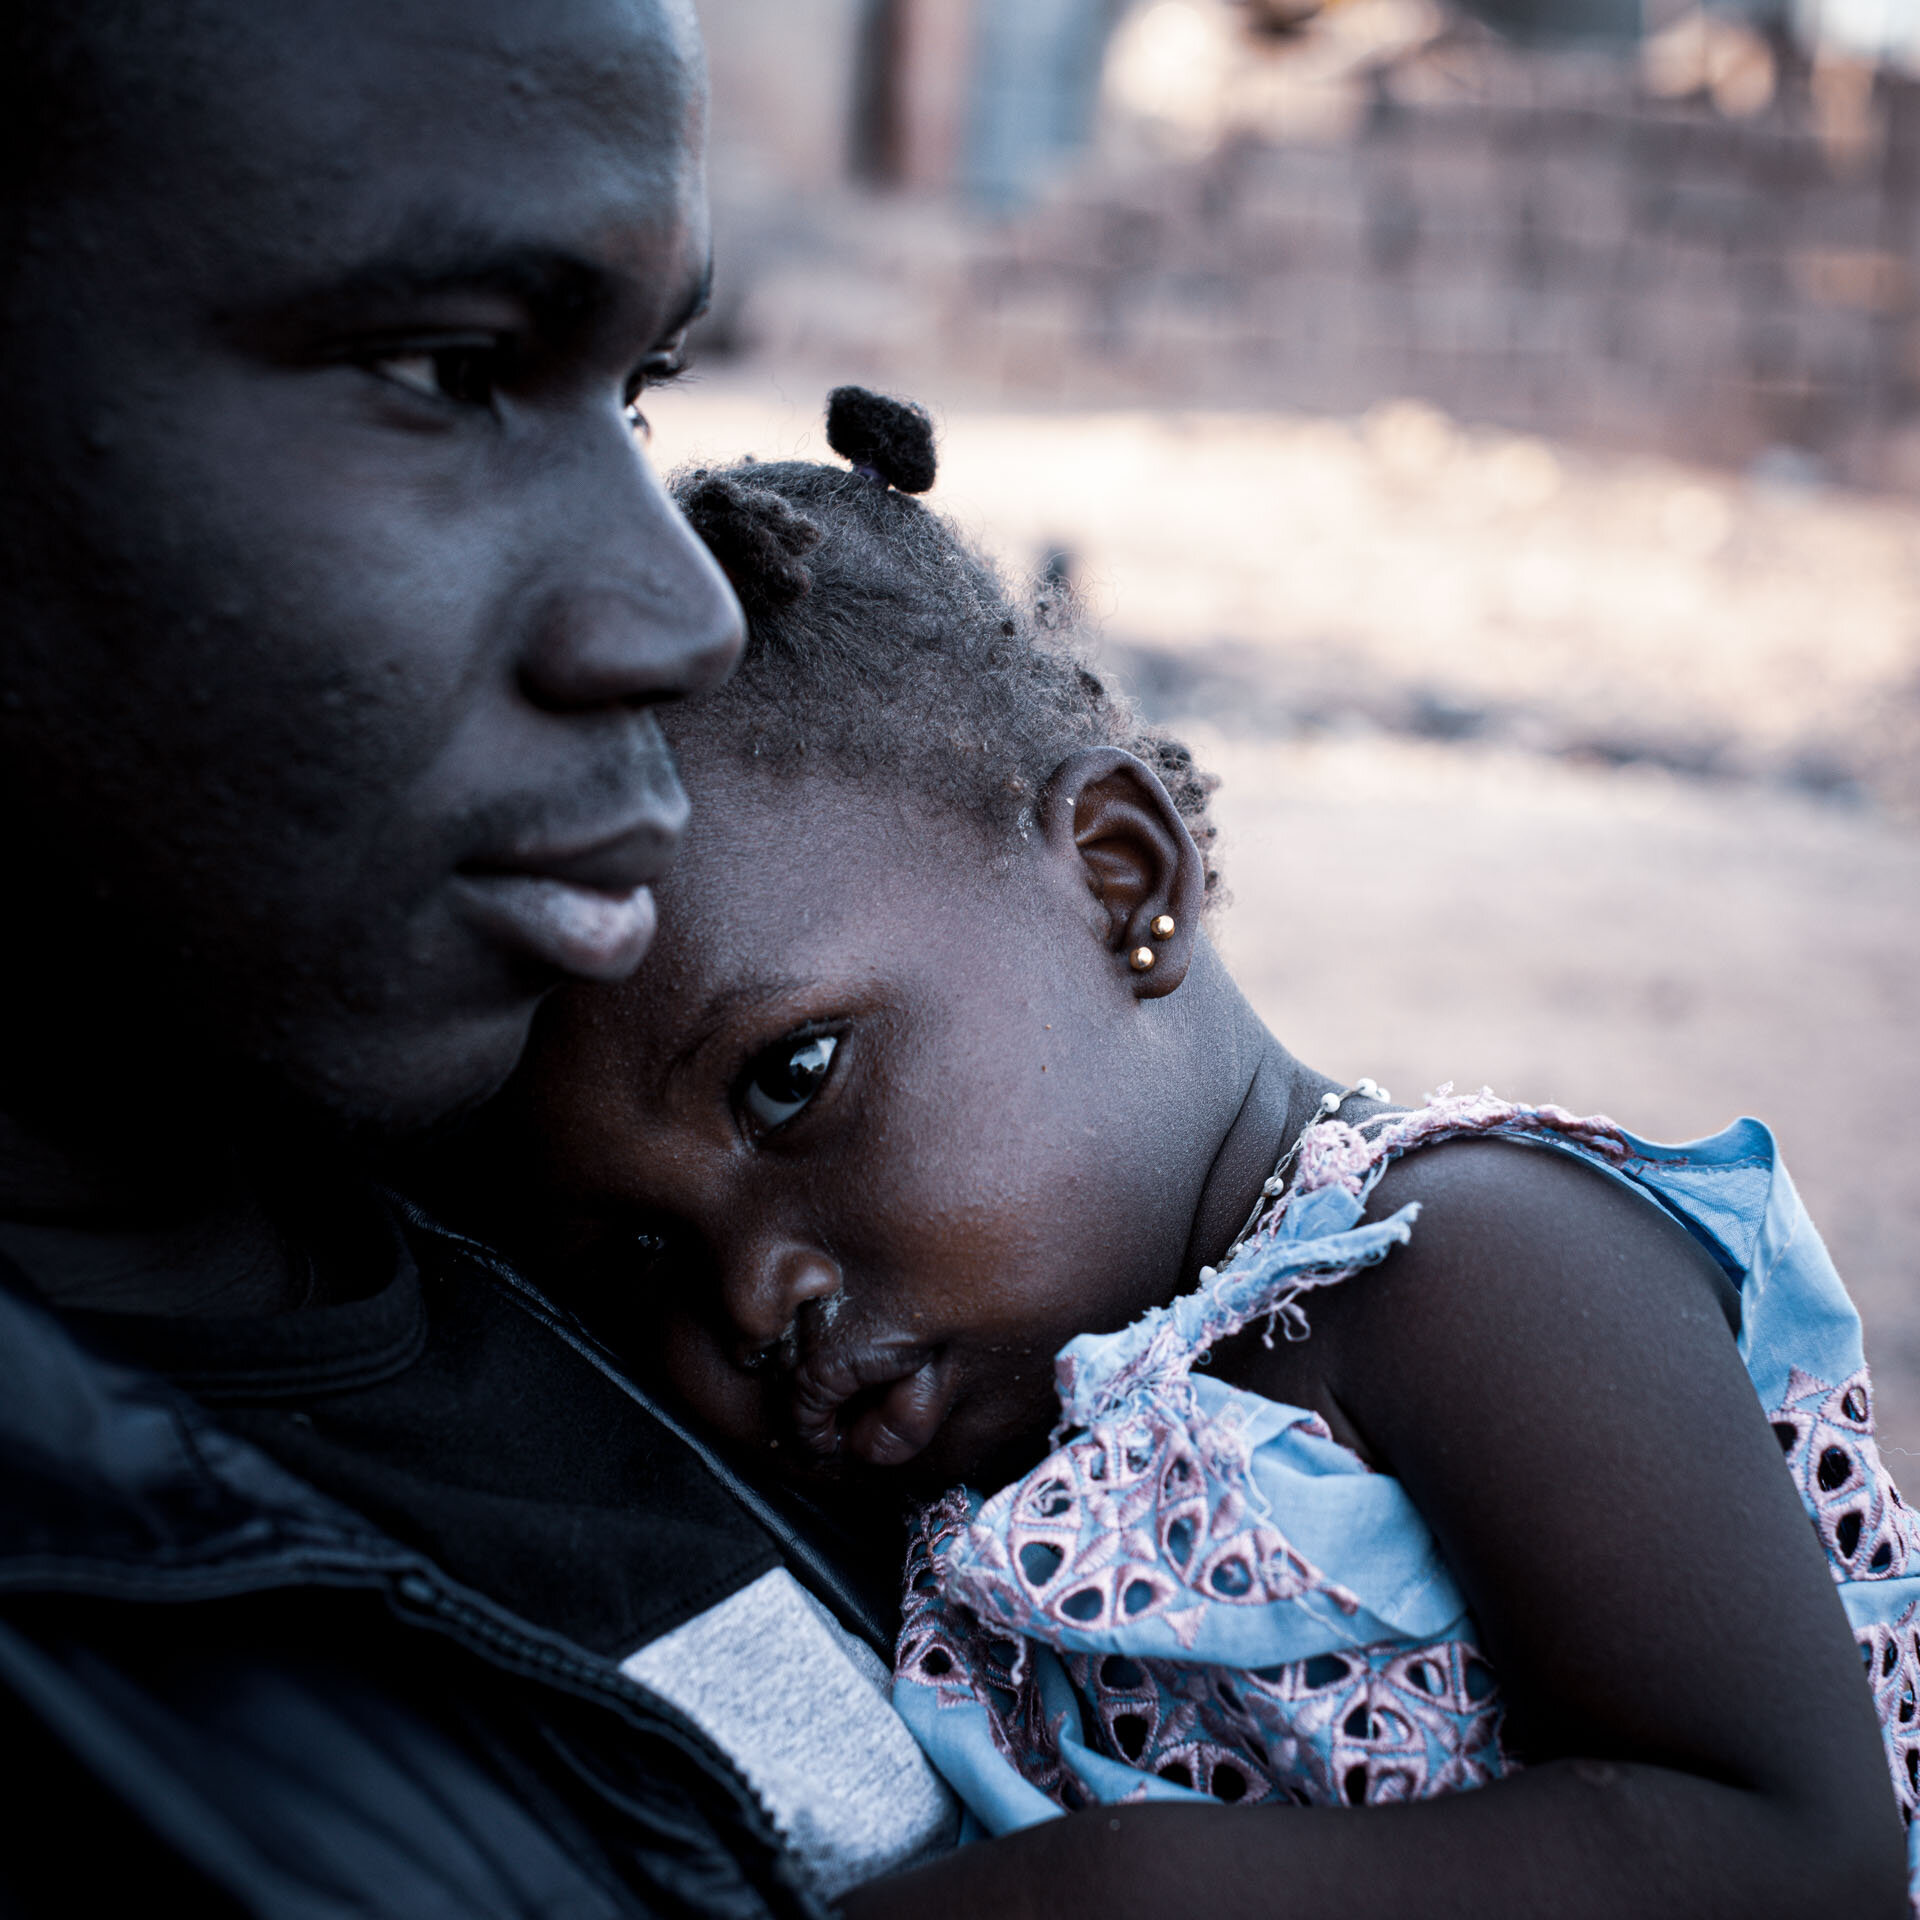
(585, 910)
(881, 1404)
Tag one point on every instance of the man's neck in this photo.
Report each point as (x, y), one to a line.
(92, 1237)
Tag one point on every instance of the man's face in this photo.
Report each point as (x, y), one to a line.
(334, 583)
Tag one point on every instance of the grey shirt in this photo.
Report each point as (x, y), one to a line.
(802, 1708)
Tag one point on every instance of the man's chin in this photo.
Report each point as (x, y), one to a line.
(389, 1088)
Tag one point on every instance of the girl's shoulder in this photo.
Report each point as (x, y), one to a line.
(1536, 1213)
(1511, 1234)
(1523, 1212)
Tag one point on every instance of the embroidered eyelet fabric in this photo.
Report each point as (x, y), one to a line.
(1201, 1595)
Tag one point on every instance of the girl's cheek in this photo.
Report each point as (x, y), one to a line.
(994, 1438)
(721, 1396)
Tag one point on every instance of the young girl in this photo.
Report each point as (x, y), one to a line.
(1286, 1448)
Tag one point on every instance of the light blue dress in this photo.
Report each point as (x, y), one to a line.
(1200, 1594)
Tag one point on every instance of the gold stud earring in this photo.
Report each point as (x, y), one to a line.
(1141, 959)
(1163, 926)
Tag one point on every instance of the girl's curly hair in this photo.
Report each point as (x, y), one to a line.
(880, 642)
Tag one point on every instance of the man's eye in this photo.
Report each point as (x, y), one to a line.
(784, 1079)
(656, 371)
(466, 375)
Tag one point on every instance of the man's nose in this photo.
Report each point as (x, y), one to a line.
(639, 610)
(766, 1291)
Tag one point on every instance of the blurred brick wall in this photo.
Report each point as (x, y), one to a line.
(784, 76)
(1524, 239)
(1546, 250)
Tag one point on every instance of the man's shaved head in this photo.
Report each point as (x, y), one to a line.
(77, 77)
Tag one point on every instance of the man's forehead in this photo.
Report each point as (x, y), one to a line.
(614, 69)
(329, 100)
(581, 41)
(414, 143)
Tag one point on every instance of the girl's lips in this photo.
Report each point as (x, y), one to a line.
(906, 1418)
(916, 1391)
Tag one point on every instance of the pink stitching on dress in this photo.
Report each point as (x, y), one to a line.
(1125, 1523)
(1826, 1433)
(1869, 1533)
(944, 1649)
(1360, 1727)
(1892, 1655)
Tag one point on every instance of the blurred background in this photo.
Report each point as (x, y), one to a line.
(1492, 436)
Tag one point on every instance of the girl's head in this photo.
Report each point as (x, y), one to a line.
(892, 1088)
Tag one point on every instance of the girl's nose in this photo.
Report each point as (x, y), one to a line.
(764, 1295)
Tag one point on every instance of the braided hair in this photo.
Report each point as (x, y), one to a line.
(882, 644)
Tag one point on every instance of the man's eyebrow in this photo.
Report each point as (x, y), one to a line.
(699, 299)
(560, 288)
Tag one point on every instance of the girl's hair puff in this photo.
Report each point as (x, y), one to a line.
(881, 643)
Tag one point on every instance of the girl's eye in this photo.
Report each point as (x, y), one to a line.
(785, 1078)
(466, 375)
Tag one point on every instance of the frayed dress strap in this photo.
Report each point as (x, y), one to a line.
(1314, 1237)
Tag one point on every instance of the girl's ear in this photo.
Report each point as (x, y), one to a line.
(1108, 811)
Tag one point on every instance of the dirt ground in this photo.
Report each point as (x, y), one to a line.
(1591, 779)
